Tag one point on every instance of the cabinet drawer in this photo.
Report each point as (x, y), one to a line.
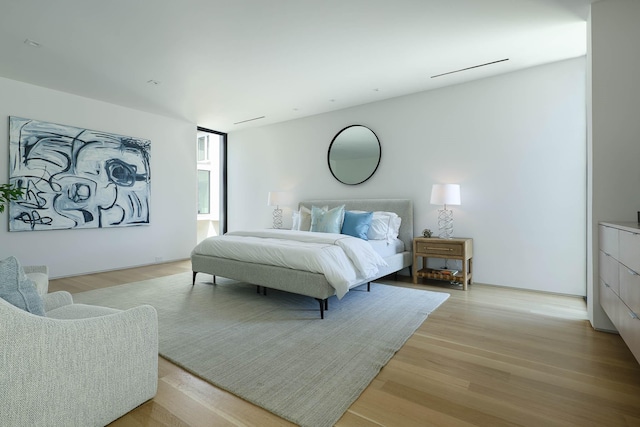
(435, 249)
(609, 271)
(629, 327)
(609, 240)
(630, 249)
(625, 319)
(630, 288)
(610, 303)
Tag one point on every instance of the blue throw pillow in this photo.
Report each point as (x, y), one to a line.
(325, 221)
(17, 289)
(357, 224)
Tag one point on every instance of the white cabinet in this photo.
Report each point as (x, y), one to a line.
(620, 279)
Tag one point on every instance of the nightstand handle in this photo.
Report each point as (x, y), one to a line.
(439, 249)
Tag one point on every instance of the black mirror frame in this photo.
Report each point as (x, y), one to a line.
(374, 169)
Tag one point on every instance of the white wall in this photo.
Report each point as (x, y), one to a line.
(615, 126)
(172, 232)
(515, 143)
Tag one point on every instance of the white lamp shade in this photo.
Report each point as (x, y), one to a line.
(445, 194)
(279, 198)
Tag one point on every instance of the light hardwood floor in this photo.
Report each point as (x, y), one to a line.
(487, 357)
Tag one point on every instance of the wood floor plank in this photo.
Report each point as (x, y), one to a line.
(353, 419)
(151, 413)
(490, 356)
(189, 410)
(394, 410)
(223, 403)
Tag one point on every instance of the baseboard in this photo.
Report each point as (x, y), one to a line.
(118, 268)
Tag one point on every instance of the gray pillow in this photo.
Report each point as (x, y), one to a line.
(17, 289)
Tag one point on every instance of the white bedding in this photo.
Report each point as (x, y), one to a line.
(386, 248)
(344, 260)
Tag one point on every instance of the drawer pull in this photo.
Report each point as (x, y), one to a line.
(633, 315)
(439, 249)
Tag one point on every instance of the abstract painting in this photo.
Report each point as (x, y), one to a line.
(76, 178)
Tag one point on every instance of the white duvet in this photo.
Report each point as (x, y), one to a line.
(344, 260)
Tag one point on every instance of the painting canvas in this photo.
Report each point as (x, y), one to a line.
(76, 178)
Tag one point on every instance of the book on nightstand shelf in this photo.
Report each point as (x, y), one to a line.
(444, 271)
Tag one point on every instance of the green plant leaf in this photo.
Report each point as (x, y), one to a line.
(9, 192)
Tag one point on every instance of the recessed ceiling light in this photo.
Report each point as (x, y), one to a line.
(153, 82)
(32, 43)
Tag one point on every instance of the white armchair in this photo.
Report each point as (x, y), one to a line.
(81, 365)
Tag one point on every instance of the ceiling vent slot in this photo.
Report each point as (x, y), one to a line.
(470, 68)
(250, 120)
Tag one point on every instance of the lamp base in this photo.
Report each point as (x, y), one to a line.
(277, 218)
(445, 223)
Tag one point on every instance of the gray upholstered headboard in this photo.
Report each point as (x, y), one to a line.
(403, 207)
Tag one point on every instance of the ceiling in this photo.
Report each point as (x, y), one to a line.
(220, 62)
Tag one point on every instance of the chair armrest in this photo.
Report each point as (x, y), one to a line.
(40, 275)
(36, 269)
(105, 366)
(56, 300)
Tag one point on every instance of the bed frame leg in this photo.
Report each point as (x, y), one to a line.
(368, 286)
(323, 303)
(193, 281)
(214, 280)
(257, 289)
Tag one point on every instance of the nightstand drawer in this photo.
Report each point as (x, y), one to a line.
(435, 249)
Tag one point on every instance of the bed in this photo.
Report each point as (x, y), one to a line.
(307, 283)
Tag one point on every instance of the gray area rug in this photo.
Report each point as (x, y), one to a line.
(274, 350)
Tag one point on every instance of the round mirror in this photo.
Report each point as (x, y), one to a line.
(354, 154)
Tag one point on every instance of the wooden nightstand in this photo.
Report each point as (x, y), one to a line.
(431, 247)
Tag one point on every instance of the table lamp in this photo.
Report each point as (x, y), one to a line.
(277, 199)
(445, 194)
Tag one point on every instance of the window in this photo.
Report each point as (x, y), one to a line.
(203, 148)
(204, 192)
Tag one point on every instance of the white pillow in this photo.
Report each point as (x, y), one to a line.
(384, 226)
(394, 228)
